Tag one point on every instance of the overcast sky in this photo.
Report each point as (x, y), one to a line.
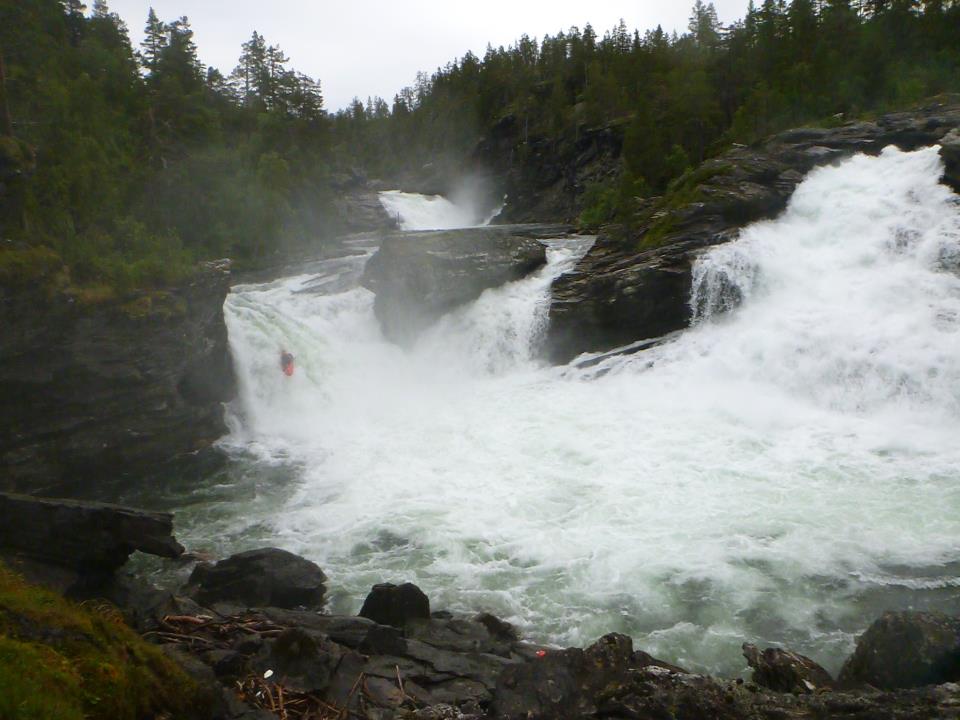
(375, 47)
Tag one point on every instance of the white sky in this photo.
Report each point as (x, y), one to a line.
(375, 47)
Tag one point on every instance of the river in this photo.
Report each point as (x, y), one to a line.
(780, 473)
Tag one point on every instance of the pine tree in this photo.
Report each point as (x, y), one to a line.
(155, 39)
(704, 25)
(74, 19)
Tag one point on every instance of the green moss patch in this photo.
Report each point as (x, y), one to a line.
(157, 304)
(684, 191)
(65, 661)
(23, 267)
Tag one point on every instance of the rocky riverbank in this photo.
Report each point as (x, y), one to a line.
(635, 284)
(251, 632)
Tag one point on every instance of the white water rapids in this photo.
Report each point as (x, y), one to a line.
(779, 474)
(434, 212)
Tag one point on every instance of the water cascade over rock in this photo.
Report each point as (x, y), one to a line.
(636, 286)
(778, 474)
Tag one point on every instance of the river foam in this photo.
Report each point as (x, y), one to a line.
(780, 473)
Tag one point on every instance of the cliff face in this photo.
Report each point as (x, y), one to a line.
(96, 390)
(543, 178)
(636, 285)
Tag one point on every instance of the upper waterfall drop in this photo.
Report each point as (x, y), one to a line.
(433, 212)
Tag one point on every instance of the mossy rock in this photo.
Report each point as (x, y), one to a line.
(158, 304)
(16, 157)
(681, 193)
(65, 661)
(36, 266)
(91, 295)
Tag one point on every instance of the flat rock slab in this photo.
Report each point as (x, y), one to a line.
(88, 537)
(418, 277)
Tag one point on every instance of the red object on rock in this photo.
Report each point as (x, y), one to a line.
(541, 653)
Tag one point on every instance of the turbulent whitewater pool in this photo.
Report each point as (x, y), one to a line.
(779, 473)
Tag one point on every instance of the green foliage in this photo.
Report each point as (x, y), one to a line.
(30, 266)
(679, 99)
(682, 191)
(141, 174)
(60, 660)
(133, 166)
(599, 205)
(127, 255)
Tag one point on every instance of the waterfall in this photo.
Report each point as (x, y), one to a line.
(779, 473)
(434, 212)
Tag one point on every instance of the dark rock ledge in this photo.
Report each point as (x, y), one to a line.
(249, 629)
(418, 277)
(95, 389)
(637, 285)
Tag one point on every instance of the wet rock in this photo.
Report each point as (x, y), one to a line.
(480, 667)
(342, 688)
(635, 284)
(300, 660)
(354, 632)
(92, 539)
(383, 640)
(236, 709)
(499, 629)
(389, 604)
(950, 153)
(906, 650)
(785, 671)
(419, 277)
(460, 692)
(228, 665)
(96, 394)
(359, 209)
(611, 300)
(266, 577)
(564, 683)
(463, 635)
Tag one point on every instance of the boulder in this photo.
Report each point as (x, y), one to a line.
(91, 539)
(906, 650)
(785, 671)
(418, 277)
(498, 629)
(634, 284)
(396, 605)
(260, 578)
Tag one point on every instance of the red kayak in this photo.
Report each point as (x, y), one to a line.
(286, 363)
